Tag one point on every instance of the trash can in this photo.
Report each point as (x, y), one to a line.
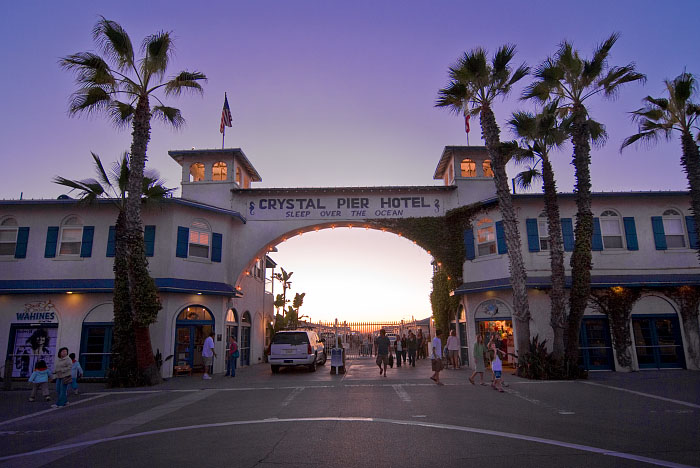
(337, 361)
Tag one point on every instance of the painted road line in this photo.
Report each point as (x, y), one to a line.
(292, 395)
(401, 392)
(648, 395)
(49, 410)
(474, 430)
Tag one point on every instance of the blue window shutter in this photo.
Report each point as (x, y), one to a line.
(216, 247)
(692, 235)
(501, 238)
(657, 225)
(22, 239)
(469, 244)
(183, 235)
(630, 233)
(149, 238)
(110, 241)
(51, 241)
(597, 237)
(86, 244)
(533, 235)
(567, 234)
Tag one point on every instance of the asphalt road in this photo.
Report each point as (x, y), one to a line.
(360, 419)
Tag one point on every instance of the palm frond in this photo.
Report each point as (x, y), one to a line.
(121, 113)
(90, 69)
(617, 76)
(89, 100)
(527, 178)
(157, 50)
(101, 173)
(168, 115)
(114, 42)
(185, 81)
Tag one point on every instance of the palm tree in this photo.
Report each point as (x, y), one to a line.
(539, 134)
(474, 84)
(662, 116)
(112, 186)
(124, 91)
(573, 80)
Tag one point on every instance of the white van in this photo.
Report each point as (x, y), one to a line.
(296, 348)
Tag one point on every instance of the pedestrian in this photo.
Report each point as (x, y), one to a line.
(208, 355)
(398, 348)
(40, 379)
(497, 367)
(421, 343)
(383, 345)
(62, 373)
(412, 344)
(479, 356)
(404, 345)
(231, 356)
(436, 357)
(453, 349)
(76, 372)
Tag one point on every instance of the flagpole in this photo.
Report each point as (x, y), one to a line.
(223, 137)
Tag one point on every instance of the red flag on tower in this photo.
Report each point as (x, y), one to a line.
(226, 119)
(466, 122)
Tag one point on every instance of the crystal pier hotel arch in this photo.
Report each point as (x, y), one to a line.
(207, 251)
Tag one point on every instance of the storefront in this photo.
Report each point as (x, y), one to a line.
(96, 341)
(657, 334)
(193, 326)
(33, 337)
(595, 345)
(493, 321)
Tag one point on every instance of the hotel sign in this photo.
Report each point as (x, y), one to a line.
(289, 207)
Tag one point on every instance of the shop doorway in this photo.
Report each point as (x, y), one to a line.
(493, 321)
(95, 349)
(231, 326)
(193, 325)
(245, 339)
(658, 342)
(595, 344)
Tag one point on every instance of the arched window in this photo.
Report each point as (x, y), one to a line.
(486, 237)
(219, 171)
(238, 175)
(673, 228)
(231, 316)
(246, 317)
(543, 230)
(468, 168)
(200, 239)
(486, 167)
(71, 236)
(8, 236)
(196, 172)
(611, 230)
(195, 313)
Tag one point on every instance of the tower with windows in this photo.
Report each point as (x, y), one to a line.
(209, 175)
(468, 168)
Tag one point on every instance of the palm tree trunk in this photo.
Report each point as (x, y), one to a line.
(688, 300)
(691, 164)
(518, 276)
(556, 259)
(581, 258)
(142, 291)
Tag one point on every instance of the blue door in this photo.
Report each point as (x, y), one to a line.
(595, 348)
(95, 349)
(658, 342)
(192, 327)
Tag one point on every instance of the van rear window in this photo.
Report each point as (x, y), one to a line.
(290, 338)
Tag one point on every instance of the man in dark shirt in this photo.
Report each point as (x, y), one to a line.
(383, 344)
(412, 347)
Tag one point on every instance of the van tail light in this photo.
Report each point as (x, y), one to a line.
(308, 348)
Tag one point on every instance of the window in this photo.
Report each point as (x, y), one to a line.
(238, 175)
(219, 171)
(200, 239)
(71, 237)
(468, 168)
(543, 231)
(8, 236)
(611, 230)
(673, 229)
(196, 172)
(486, 167)
(485, 237)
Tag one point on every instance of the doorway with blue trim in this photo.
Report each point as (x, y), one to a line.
(193, 325)
(595, 345)
(244, 343)
(658, 342)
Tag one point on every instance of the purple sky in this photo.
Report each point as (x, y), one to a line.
(329, 93)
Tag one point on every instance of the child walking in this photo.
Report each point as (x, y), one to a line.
(62, 374)
(40, 379)
(75, 372)
(497, 368)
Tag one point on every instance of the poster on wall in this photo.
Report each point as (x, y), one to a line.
(32, 345)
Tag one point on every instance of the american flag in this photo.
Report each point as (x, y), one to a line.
(226, 119)
(466, 122)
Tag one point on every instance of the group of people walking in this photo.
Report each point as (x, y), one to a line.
(66, 372)
(208, 355)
